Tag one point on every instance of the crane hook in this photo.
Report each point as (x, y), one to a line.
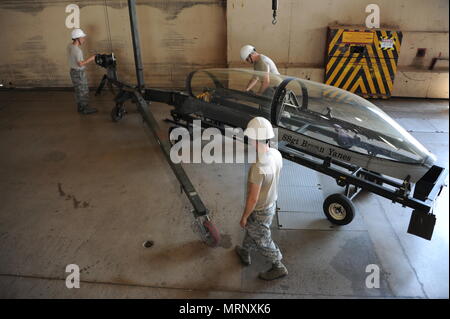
(274, 8)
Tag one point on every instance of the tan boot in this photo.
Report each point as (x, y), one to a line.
(278, 270)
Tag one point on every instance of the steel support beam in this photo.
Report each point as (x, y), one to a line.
(136, 45)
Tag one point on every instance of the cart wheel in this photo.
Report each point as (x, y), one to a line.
(339, 209)
(212, 235)
(117, 113)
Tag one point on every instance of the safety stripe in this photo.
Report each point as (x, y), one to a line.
(370, 72)
(391, 65)
(377, 56)
(390, 54)
(335, 48)
(345, 71)
(334, 51)
(335, 38)
(331, 63)
(369, 78)
(376, 69)
(337, 68)
(386, 63)
(366, 85)
(387, 75)
(348, 77)
(352, 76)
(359, 84)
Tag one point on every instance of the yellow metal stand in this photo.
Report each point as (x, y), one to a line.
(362, 61)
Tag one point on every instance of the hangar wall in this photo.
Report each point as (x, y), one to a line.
(176, 37)
(181, 35)
(297, 42)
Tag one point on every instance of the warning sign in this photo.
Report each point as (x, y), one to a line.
(387, 43)
(357, 37)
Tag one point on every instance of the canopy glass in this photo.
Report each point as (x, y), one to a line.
(316, 110)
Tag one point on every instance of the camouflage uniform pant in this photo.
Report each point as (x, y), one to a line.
(80, 85)
(258, 236)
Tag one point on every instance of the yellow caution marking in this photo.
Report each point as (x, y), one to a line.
(376, 70)
(352, 76)
(335, 38)
(369, 78)
(350, 64)
(338, 67)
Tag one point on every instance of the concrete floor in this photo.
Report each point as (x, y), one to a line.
(83, 190)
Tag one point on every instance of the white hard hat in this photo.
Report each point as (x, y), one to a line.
(246, 50)
(78, 33)
(259, 129)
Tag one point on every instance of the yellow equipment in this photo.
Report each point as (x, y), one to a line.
(362, 61)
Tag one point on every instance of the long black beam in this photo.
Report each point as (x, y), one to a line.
(188, 188)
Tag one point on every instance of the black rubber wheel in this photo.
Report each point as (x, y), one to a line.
(212, 234)
(339, 209)
(117, 113)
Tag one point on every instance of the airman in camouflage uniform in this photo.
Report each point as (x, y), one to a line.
(258, 235)
(80, 84)
(78, 72)
(260, 205)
